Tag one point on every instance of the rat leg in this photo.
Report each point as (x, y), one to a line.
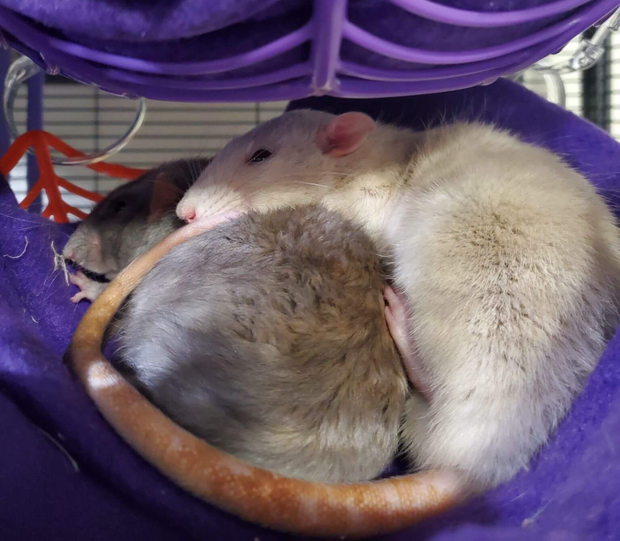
(89, 289)
(396, 317)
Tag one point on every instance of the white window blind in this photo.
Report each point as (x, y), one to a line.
(572, 82)
(90, 120)
(615, 85)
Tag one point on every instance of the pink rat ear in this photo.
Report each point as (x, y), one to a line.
(164, 198)
(344, 134)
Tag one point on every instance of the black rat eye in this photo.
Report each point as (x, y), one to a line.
(119, 205)
(260, 155)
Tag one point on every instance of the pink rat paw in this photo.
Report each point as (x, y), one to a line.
(89, 289)
(396, 316)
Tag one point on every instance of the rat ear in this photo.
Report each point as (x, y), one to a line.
(344, 134)
(164, 197)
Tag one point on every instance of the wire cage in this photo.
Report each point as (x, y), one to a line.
(316, 48)
(321, 47)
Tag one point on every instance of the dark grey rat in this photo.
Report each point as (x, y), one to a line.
(266, 337)
(132, 218)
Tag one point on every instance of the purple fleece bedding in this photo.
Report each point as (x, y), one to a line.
(105, 491)
(200, 30)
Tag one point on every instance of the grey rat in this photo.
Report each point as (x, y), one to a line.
(506, 259)
(132, 218)
(266, 337)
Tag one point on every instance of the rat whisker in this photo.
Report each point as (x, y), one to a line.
(53, 293)
(310, 183)
(320, 173)
(21, 219)
(170, 185)
(30, 228)
(49, 280)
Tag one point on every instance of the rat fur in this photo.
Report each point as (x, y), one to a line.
(132, 218)
(508, 259)
(266, 337)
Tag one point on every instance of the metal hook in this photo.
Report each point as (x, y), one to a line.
(20, 71)
(556, 91)
(588, 52)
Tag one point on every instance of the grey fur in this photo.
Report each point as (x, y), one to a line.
(109, 239)
(266, 337)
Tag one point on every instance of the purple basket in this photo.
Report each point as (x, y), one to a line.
(290, 49)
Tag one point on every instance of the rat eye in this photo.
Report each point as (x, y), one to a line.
(118, 206)
(260, 155)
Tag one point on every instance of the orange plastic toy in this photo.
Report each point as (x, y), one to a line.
(49, 181)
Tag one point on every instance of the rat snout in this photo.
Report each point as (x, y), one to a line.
(201, 202)
(186, 212)
(68, 253)
(69, 250)
(84, 248)
(191, 208)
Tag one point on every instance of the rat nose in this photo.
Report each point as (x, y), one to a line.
(186, 213)
(69, 254)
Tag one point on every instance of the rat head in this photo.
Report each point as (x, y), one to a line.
(293, 159)
(117, 228)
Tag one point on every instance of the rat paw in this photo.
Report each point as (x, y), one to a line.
(396, 317)
(89, 289)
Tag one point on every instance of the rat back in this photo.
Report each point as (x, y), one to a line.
(269, 341)
(510, 261)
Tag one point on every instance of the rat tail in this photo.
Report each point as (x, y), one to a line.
(254, 494)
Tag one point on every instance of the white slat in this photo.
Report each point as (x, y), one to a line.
(572, 82)
(615, 85)
(89, 120)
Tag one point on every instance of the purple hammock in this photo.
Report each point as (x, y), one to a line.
(266, 50)
(65, 474)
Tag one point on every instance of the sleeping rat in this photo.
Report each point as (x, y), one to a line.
(132, 218)
(272, 345)
(507, 259)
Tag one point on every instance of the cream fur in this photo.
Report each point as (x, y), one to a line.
(510, 262)
(508, 257)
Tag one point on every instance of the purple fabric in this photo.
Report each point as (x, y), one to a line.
(146, 20)
(203, 50)
(571, 492)
(161, 20)
(203, 30)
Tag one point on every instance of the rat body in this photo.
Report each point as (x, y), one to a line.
(132, 218)
(508, 260)
(303, 508)
(510, 263)
(273, 345)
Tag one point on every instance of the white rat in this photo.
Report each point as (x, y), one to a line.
(508, 261)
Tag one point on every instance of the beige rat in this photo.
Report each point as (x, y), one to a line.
(508, 260)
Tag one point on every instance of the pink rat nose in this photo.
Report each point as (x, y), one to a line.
(188, 215)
